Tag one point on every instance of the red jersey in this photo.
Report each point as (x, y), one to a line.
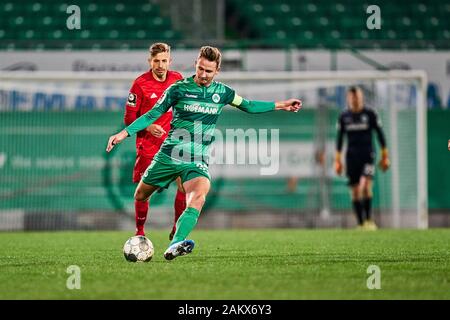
(143, 95)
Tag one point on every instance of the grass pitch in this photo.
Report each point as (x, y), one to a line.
(232, 264)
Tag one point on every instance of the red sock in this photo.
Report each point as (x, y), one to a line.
(179, 206)
(141, 209)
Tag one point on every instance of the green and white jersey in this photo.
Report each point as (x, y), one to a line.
(196, 110)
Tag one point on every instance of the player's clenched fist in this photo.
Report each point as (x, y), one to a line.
(291, 105)
(338, 164)
(156, 130)
(116, 139)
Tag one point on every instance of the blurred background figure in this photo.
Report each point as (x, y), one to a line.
(357, 124)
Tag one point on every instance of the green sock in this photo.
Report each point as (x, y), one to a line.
(185, 224)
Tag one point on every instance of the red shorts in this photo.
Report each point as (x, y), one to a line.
(140, 166)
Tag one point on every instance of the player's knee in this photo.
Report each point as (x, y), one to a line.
(366, 189)
(367, 192)
(139, 195)
(356, 193)
(197, 201)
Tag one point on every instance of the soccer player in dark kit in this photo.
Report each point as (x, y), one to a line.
(358, 123)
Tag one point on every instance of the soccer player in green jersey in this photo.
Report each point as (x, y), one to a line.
(196, 103)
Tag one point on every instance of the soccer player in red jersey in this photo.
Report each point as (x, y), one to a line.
(144, 93)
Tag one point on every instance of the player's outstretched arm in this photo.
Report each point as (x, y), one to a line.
(116, 139)
(255, 106)
(139, 124)
(292, 105)
(161, 106)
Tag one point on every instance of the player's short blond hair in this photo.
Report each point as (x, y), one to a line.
(158, 47)
(211, 54)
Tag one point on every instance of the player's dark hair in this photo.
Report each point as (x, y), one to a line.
(353, 89)
(211, 54)
(159, 47)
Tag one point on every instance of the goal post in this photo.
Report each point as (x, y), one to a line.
(54, 126)
(395, 82)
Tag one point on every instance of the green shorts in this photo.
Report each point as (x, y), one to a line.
(163, 170)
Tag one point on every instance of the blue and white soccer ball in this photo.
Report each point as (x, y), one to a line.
(138, 249)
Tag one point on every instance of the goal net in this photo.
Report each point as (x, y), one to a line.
(273, 169)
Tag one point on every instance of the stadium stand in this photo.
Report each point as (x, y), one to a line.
(32, 24)
(337, 24)
(104, 24)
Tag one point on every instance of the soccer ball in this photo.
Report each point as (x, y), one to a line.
(138, 248)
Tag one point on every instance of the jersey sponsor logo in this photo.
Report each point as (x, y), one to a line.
(215, 98)
(199, 108)
(357, 126)
(187, 95)
(153, 96)
(131, 101)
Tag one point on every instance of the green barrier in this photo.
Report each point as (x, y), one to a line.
(438, 159)
(56, 161)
